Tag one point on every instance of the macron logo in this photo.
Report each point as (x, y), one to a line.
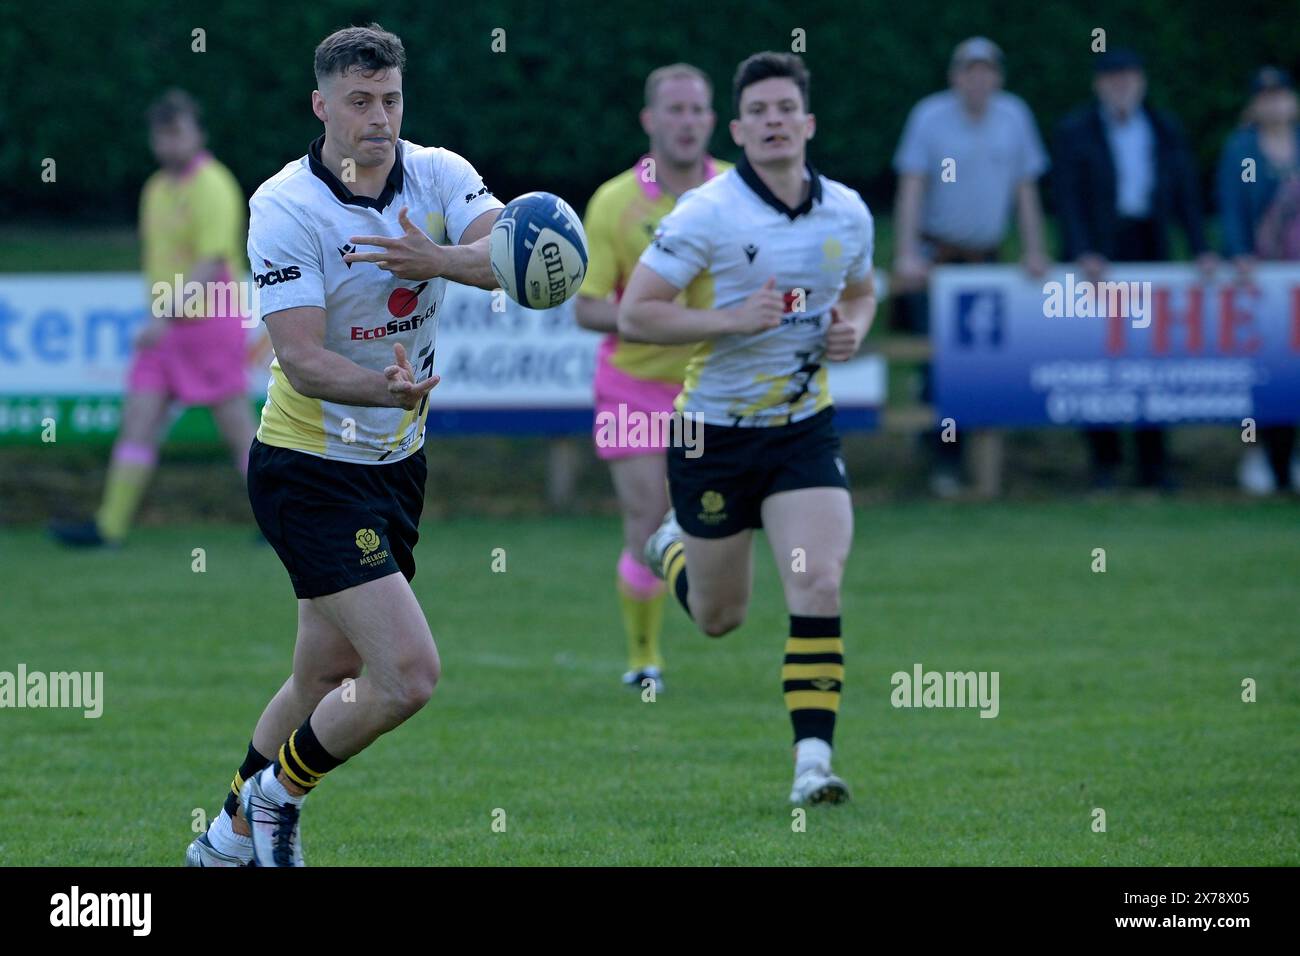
(103, 909)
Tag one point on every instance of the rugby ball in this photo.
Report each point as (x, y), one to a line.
(538, 250)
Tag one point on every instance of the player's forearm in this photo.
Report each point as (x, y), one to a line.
(598, 315)
(468, 265)
(665, 323)
(907, 216)
(1030, 219)
(321, 373)
(860, 311)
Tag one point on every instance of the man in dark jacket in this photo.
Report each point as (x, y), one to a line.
(1123, 176)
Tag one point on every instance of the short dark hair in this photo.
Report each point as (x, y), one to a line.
(372, 48)
(764, 66)
(171, 106)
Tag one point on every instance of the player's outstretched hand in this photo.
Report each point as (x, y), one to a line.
(842, 338)
(761, 311)
(412, 255)
(401, 381)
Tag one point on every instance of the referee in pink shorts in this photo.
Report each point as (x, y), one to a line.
(635, 381)
(193, 225)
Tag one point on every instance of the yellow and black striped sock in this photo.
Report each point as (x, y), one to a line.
(812, 675)
(251, 765)
(675, 572)
(303, 759)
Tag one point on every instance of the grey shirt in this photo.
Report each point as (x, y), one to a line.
(992, 155)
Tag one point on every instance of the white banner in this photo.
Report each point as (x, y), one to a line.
(70, 334)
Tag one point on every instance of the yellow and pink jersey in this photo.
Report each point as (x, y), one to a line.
(620, 221)
(196, 216)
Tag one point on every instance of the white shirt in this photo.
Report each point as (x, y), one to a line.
(1132, 147)
(300, 221)
(729, 235)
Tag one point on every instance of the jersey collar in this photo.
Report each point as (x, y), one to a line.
(341, 192)
(199, 160)
(750, 179)
(650, 188)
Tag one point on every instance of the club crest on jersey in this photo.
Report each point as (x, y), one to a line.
(832, 255)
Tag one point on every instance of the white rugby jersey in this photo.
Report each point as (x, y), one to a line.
(299, 224)
(731, 234)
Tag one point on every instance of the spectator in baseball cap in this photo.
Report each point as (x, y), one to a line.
(968, 156)
(976, 50)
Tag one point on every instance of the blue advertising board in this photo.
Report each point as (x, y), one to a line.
(1151, 344)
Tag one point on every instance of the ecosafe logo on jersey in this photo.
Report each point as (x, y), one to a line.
(401, 303)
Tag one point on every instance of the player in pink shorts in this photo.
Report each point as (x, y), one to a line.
(192, 224)
(636, 383)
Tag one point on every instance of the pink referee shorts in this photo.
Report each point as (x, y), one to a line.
(196, 362)
(626, 405)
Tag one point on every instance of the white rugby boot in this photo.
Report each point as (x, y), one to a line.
(818, 785)
(655, 546)
(274, 824)
(202, 853)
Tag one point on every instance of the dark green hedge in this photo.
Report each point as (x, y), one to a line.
(558, 109)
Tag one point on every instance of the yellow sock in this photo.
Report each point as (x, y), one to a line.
(128, 476)
(643, 619)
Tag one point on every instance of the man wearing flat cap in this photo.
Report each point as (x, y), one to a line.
(1123, 176)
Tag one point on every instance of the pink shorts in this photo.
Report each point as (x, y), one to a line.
(626, 420)
(196, 362)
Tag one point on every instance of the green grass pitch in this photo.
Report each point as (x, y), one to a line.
(1118, 690)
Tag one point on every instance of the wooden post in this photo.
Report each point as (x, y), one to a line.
(561, 473)
(986, 454)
